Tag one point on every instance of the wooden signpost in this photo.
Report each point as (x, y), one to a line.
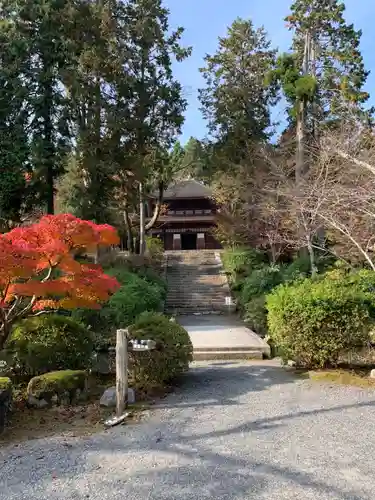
(121, 371)
(123, 346)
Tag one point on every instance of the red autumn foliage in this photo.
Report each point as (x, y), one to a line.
(39, 270)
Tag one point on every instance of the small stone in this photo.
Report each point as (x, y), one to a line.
(372, 374)
(291, 363)
(36, 403)
(108, 398)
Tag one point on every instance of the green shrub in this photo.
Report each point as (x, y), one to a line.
(300, 267)
(239, 262)
(135, 296)
(137, 263)
(6, 396)
(255, 315)
(152, 277)
(315, 321)
(123, 275)
(50, 342)
(174, 353)
(131, 300)
(155, 247)
(260, 282)
(5, 384)
(57, 383)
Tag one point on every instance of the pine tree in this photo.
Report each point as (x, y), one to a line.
(236, 100)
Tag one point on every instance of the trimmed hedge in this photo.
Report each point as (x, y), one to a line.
(50, 342)
(170, 359)
(314, 322)
(58, 383)
(263, 280)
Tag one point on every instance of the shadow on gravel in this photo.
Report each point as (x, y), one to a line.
(223, 384)
(159, 461)
(218, 476)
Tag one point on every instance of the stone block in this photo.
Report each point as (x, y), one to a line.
(37, 403)
(108, 398)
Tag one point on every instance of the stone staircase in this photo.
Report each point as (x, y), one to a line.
(196, 283)
(198, 294)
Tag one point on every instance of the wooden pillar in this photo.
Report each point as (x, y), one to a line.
(176, 241)
(201, 241)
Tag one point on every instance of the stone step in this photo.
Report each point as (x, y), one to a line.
(221, 354)
(198, 286)
(196, 305)
(186, 311)
(199, 295)
(196, 283)
(192, 303)
(214, 291)
(224, 348)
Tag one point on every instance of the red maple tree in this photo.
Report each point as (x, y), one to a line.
(39, 270)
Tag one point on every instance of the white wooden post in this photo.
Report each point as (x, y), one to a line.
(123, 345)
(121, 371)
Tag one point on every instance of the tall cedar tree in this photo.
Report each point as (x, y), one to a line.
(42, 25)
(236, 100)
(128, 106)
(150, 96)
(14, 148)
(195, 161)
(88, 182)
(334, 58)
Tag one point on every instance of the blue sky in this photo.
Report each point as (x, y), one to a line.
(205, 20)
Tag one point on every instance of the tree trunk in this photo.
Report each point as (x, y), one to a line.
(142, 241)
(49, 147)
(129, 232)
(4, 334)
(301, 116)
(157, 209)
(300, 137)
(310, 248)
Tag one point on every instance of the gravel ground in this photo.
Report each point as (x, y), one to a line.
(231, 431)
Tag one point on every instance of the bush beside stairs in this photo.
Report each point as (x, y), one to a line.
(198, 293)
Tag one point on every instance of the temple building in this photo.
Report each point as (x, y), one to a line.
(189, 219)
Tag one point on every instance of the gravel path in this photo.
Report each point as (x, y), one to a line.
(231, 431)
